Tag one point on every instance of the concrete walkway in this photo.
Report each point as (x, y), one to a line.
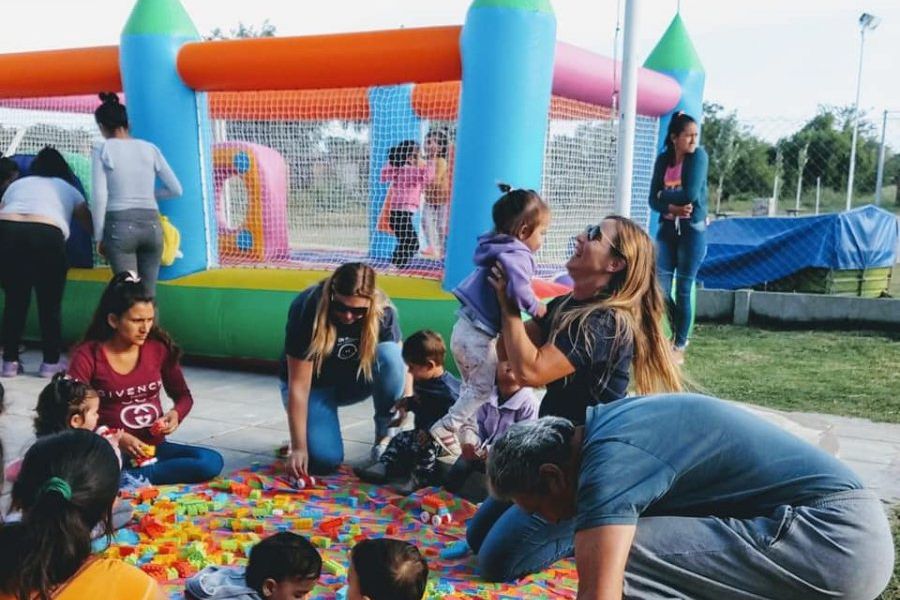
(240, 414)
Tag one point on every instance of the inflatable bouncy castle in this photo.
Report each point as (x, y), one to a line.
(279, 144)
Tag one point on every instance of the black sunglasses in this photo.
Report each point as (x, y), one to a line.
(594, 233)
(341, 308)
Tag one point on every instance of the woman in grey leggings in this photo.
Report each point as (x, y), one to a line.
(126, 214)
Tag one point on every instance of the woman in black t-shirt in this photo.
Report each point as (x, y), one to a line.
(582, 350)
(341, 346)
(611, 322)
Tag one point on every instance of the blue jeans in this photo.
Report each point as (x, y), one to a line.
(678, 256)
(510, 543)
(180, 463)
(838, 546)
(323, 429)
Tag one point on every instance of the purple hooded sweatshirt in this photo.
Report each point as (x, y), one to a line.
(493, 419)
(479, 299)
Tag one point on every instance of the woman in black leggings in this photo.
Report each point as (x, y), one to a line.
(34, 224)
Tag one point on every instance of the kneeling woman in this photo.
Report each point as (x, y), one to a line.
(128, 360)
(341, 346)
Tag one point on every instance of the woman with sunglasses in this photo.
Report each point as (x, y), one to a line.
(341, 345)
(678, 194)
(584, 351)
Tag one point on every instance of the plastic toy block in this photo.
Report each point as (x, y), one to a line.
(229, 545)
(220, 484)
(391, 529)
(333, 567)
(255, 494)
(147, 493)
(342, 593)
(148, 459)
(255, 482)
(240, 489)
(303, 523)
(320, 542)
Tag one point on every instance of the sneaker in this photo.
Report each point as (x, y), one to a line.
(678, 355)
(446, 439)
(374, 473)
(11, 368)
(410, 485)
(48, 370)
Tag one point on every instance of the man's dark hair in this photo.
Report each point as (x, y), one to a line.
(389, 569)
(280, 557)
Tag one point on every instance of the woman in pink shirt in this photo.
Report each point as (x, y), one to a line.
(129, 360)
(407, 174)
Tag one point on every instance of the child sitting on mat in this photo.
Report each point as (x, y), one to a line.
(283, 566)
(413, 454)
(386, 569)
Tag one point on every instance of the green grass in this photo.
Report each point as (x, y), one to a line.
(838, 372)
(830, 201)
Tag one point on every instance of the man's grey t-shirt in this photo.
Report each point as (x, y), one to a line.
(691, 455)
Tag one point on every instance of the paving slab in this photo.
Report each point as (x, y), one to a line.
(240, 414)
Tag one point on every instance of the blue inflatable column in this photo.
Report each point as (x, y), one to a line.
(675, 56)
(393, 121)
(164, 111)
(507, 49)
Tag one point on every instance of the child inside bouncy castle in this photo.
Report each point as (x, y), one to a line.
(406, 173)
(436, 210)
(413, 454)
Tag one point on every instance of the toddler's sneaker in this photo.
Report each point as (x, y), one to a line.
(446, 439)
(48, 370)
(11, 368)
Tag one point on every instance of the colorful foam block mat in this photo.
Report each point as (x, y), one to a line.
(177, 530)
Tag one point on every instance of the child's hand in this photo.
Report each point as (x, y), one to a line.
(167, 424)
(469, 452)
(132, 446)
(541, 311)
(401, 407)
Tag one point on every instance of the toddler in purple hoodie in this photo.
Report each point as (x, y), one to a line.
(521, 219)
(509, 403)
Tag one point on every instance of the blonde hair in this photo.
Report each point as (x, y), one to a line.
(634, 300)
(350, 279)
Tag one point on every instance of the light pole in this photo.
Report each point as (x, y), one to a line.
(866, 22)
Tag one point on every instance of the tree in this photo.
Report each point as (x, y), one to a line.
(740, 162)
(243, 31)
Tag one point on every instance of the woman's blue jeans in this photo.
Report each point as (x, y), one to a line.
(323, 429)
(180, 463)
(678, 257)
(510, 543)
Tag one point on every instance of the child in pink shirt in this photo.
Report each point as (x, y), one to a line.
(407, 174)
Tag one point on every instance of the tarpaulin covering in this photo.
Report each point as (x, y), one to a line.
(746, 252)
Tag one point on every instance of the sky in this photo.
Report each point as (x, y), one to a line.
(771, 60)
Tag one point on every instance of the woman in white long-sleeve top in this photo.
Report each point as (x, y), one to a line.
(126, 214)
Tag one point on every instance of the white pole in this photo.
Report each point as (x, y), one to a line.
(879, 179)
(862, 43)
(818, 192)
(627, 112)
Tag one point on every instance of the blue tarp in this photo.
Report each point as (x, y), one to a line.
(745, 252)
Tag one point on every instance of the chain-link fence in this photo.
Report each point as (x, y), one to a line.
(786, 167)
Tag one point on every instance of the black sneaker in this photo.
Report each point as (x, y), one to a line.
(376, 472)
(409, 486)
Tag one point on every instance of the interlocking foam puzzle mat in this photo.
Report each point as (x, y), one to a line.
(177, 530)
